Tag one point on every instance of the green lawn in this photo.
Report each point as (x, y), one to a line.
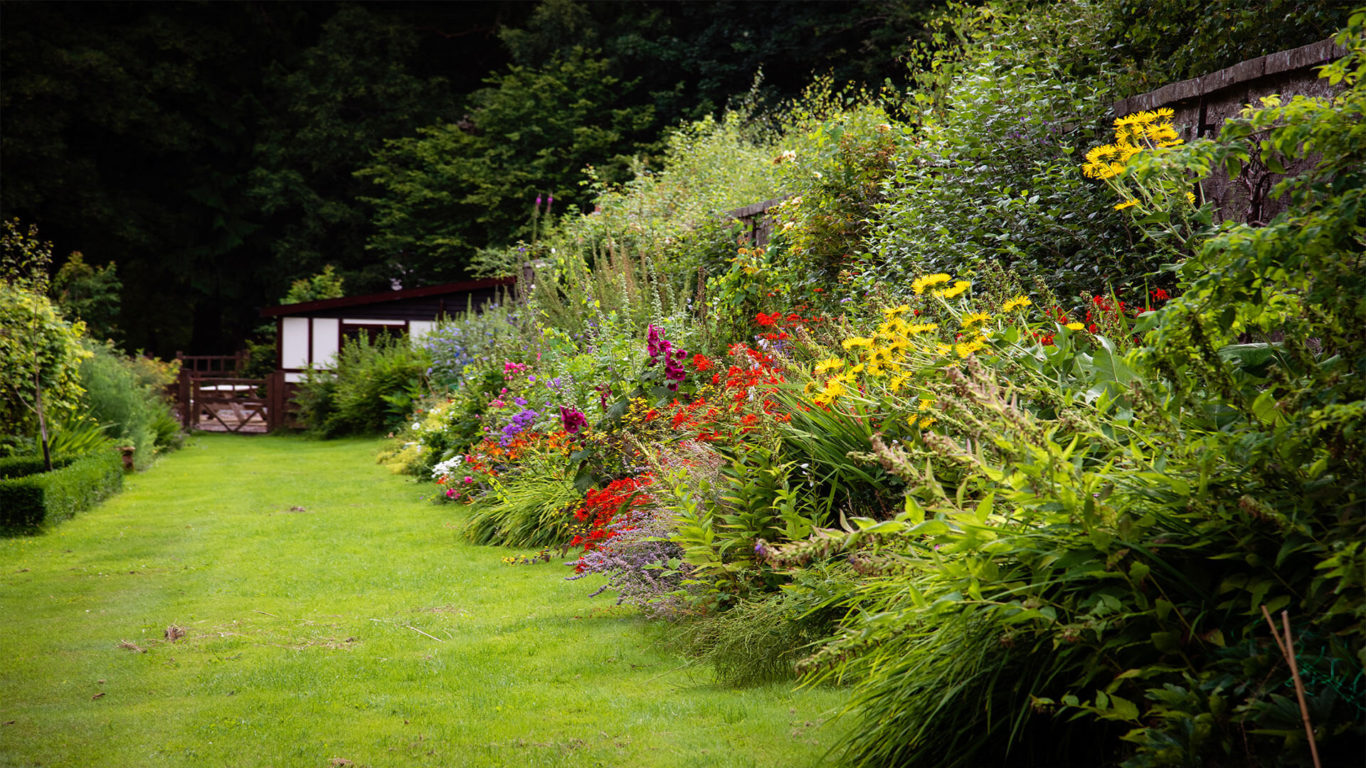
(332, 615)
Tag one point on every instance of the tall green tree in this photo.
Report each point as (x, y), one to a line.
(457, 187)
(327, 110)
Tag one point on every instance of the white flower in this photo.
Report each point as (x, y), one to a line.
(447, 467)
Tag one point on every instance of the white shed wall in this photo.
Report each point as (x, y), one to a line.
(326, 331)
(294, 342)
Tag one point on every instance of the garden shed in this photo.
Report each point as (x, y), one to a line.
(310, 333)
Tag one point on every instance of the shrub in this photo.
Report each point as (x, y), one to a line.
(992, 174)
(639, 253)
(29, 502)
(36, 346)
(372, 390)
(1096, 537)
(126, 395)
(493, 333)
(23, 466)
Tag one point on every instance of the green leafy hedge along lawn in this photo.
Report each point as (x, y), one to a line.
(30, 499)
(329, 612)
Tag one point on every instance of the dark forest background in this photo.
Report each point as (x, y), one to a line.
(211, 149)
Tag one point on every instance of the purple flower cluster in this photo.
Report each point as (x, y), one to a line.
(662, 349)
(572, 419)
(521, 422)
(635, 561)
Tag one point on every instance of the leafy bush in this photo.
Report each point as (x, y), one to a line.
(640, 252)
(372, 390)
(494, 333)
(30, 502)
(1162, 42)
(126, 395)
(40, 356)
(23, 466)
(757, 641)
(992, 173)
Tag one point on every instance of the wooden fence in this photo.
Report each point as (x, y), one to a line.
(212, 395)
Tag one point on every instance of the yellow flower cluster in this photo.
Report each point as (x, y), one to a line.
(884, 355)
(928, 281)
(1133, 134)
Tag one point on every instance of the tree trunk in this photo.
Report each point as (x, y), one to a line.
(42, 422)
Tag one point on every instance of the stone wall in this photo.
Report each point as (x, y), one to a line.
(1203, 103)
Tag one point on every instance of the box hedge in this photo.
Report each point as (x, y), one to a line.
(22, 466)
(31, 499)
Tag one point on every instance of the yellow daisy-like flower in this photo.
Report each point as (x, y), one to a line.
(942, 349)
(856, 341)
(968, 348)
(882, 356)
(1074, 326)
(834, 388)
(897, 382)
(1103, 162)
(958, 288)
(922, 328)
(1019, 302)
(876, 370)
(826, 366)
(928, 281)
(809, 388)
(925, 403)
(1190, 198)
(892, 312)
(1126, 204)
(927, 422)
(852, 372)
(893, 327)
(976, 317)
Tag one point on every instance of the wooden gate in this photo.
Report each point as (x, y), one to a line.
(220, 401)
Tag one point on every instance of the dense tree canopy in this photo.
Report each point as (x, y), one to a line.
(210, 150)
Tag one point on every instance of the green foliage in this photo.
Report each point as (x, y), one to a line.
(127, 397)
(992, 174)
(1164, 42)
(89, 294)
(24, 258)
(326, 284)
(23, 466)
(1092, 538)
(756, 642)
(372, 390)
(40, 356)
(456, 187)
(835, 170)
(533, 512)
(358, 85)
(34, 501)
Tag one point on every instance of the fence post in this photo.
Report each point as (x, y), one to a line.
(185, 393)
(275, 400)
